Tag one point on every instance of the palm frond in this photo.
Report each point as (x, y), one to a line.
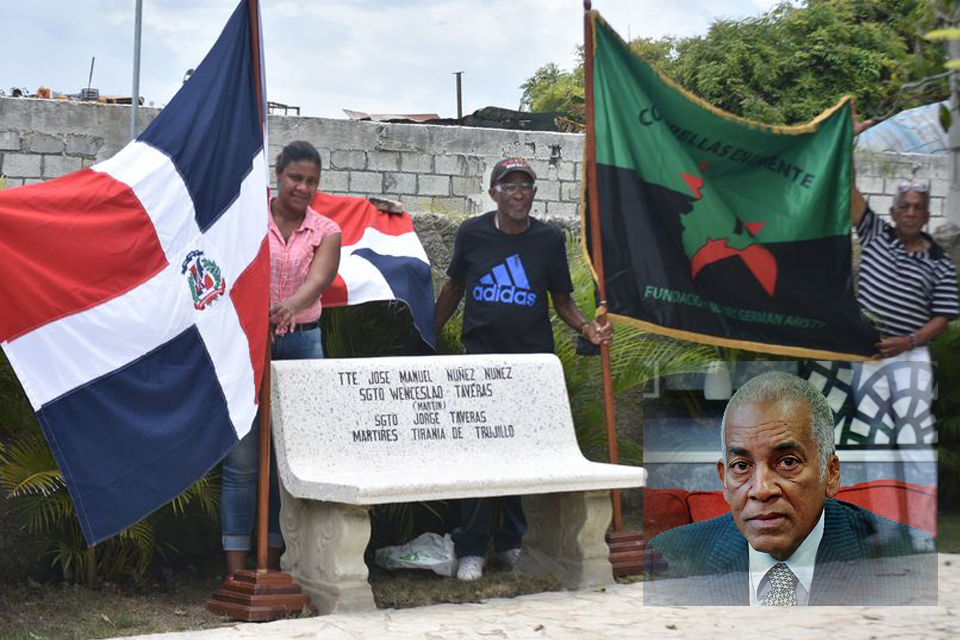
(27, 467)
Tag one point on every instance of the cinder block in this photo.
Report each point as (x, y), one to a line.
(331, 181)
(428, 185)
(937, 207)
(27, 181)
(417, 204)
(43, 143)
(86, 146)
(541, 168)
(448, 206)
(54, 166)
(383, 161)
(539, 208)
(340, 159)
(880, 204)
(400, 183)
(570, 191)
(10, 183)
(457, 165)
(939, 188)
(366, 182)
(548, 190)
(870, 185)
(562, 210)
(565, 170)
(9, 141)
(416, 163)
(461, 186)
(20, 165)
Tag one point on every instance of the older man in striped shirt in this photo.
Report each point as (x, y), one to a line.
(907, 285)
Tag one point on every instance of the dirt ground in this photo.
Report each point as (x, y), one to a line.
(30, 610)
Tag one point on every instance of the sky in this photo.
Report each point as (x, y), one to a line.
(376, 56)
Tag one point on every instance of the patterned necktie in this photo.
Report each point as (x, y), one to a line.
(783, 587)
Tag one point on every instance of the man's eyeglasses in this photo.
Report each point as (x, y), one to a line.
(511, 188)
(919, 187)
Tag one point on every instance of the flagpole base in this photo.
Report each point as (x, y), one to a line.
(626, 552)
(259, 596)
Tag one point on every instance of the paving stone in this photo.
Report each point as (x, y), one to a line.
(613, 613)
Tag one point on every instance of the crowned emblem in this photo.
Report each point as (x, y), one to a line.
(204, 279)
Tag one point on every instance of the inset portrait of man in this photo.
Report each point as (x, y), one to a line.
(786, 540)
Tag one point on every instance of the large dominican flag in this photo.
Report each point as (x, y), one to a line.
(718, 229)
(381, 258)
(133, 302)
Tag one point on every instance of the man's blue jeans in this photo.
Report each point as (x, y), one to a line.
(238, 502)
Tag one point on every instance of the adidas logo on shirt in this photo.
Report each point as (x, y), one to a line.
(506, 283)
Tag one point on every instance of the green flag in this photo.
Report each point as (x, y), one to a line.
(718, 229)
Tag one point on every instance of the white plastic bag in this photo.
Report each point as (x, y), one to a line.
(428, 551)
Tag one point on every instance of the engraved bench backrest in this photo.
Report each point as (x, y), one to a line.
(384, 415)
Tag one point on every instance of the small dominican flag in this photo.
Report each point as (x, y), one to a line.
(133, 302)
(381, 258)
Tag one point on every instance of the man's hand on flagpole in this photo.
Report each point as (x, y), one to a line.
(598, 333)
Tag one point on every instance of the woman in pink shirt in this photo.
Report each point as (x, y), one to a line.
(304, 255)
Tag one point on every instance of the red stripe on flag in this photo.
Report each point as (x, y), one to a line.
(68, 245)
(355, 215)
(336, 294)
(251, 299)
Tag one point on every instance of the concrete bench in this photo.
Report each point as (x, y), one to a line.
(359, 432)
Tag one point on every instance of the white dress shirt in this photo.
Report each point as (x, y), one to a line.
(801, 563)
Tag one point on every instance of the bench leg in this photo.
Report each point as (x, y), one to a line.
(325, 543)
(566, 537)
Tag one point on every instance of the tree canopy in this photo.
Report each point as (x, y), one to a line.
(789, 64)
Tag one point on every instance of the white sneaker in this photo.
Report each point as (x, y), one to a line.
(470, 568)
(509, 557)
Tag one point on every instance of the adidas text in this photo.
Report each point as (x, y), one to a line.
(508, 295)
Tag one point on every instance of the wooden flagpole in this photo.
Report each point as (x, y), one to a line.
(625, 546)
(261, 595)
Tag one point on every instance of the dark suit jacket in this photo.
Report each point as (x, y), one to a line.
(863, 559)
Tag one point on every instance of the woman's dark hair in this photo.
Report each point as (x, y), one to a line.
(297, 151)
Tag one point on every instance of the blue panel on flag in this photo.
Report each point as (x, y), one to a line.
(135, 438)
(411, 282)
(211, 129)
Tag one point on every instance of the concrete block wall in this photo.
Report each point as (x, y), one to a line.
(880, 174)
(431, 169)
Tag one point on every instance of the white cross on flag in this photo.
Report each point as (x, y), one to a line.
(133, 302)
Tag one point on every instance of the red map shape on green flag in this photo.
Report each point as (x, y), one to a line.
(718, 229)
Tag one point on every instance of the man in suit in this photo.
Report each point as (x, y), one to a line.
(786, 541)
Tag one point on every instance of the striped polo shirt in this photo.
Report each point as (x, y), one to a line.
(899, 290)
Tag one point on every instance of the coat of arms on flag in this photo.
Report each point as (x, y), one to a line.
(133, 306)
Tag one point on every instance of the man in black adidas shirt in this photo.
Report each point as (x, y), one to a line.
(506, 262)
